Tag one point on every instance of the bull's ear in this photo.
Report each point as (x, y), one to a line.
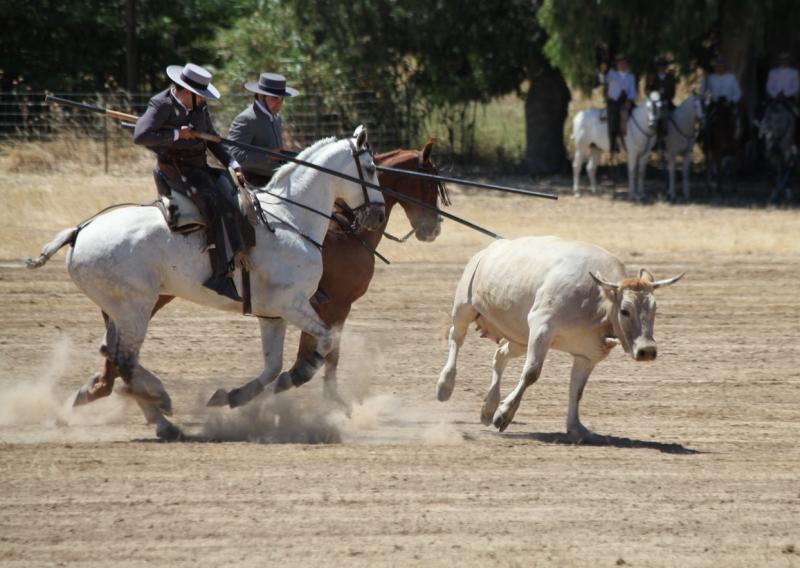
(646, 275)
(604, 283)
(668, 281)
(427, 149)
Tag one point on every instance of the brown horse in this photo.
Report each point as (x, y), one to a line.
(348, 263)
(721, 147)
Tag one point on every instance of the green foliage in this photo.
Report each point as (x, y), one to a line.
(80, 46)
(416, 57)
(582, 33)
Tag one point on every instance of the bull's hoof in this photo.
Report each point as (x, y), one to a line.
(487, 413)
(445, 385)
(580, 434)
(168, 432)
(219, 398)
(501, 420)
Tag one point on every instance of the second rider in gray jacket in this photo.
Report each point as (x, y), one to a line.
(260, 125)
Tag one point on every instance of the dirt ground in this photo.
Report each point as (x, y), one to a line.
(699, 466)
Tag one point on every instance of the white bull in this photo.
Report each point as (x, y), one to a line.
(534, 293)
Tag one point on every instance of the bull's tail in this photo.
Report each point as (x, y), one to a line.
(65, 237)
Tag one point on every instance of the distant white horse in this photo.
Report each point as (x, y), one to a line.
(590, 134)
(124, 260)
(680, 139)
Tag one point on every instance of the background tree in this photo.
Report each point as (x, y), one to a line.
(748, 34)
(80, 46)
(417, 57)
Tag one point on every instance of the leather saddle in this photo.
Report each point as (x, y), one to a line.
(180, 213)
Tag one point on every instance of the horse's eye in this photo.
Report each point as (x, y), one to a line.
(625, 313)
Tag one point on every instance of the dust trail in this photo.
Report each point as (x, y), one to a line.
(288, 418)
(32, 400)
(304, 416)
(33, 408)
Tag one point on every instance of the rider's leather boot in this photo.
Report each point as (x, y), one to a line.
(220, 280)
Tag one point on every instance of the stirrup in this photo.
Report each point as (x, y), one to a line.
(223, 286)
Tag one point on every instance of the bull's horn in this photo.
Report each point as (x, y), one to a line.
(610, 285)
(668, 281)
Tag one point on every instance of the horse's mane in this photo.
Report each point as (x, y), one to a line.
(287, 169)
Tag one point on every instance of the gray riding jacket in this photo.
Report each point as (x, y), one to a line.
(256, 127)
(156, 128)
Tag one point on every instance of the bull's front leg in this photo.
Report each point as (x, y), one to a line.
(502, 356)
(541, 334)
(581, 369)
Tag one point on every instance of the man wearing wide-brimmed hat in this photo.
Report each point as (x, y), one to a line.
(167, 128)
(620, 86)
(662, 81)
(783, 87)
(260, 125)
(721, 85)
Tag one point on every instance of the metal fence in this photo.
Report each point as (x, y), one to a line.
(27, 117)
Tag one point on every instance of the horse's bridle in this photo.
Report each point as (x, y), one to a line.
(356, 155)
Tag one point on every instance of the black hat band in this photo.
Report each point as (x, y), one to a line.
(192, 83)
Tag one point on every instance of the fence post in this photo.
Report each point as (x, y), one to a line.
(105, 141)
(317, 116)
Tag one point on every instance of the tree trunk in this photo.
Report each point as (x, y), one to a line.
(131, 52)
(545, 112)
(738, 47)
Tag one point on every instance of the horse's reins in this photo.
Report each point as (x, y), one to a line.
(346, 226)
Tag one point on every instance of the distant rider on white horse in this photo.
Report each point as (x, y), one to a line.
(620, 86)
(167, 128)
(783, 87)
(663, 82)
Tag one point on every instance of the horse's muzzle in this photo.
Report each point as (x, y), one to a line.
(373, 217)
(427, 232)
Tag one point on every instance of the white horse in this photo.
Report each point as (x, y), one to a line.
(680, 139)
(124, 260)
(590, 134)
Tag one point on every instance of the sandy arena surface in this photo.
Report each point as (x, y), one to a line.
(699, 467)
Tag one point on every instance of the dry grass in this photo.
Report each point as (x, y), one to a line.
(34, 206)
(72, 154)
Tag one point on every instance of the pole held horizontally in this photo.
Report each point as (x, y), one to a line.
(385, 190)
(215, 138)
(435, 177)
(92, 108)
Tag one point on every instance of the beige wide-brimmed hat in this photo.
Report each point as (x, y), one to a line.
(194, 78)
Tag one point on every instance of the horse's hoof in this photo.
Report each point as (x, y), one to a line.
(168, 432)
(243, 395)
(80, 397)
(219, 398)
(283, 382)
(164, 404)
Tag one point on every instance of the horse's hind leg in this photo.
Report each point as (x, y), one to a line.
(102, 384)
(577, 165)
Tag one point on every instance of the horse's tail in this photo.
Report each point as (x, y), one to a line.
(65, 237)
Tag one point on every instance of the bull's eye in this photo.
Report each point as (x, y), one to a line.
(625, 313)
